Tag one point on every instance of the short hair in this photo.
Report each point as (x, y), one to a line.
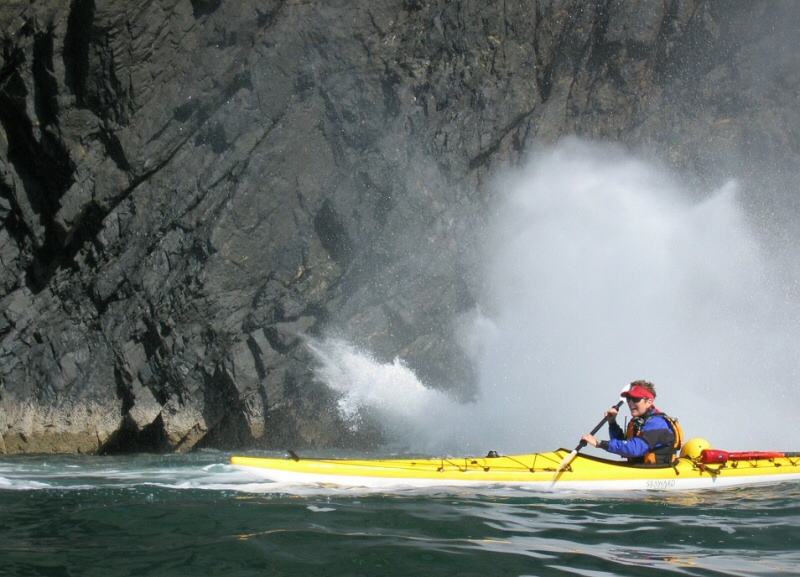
(645, 384)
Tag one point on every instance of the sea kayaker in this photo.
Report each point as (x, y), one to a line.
(652, 436)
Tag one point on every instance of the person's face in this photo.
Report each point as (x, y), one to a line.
(639, 405)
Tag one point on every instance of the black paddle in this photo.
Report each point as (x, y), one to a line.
(568, 459)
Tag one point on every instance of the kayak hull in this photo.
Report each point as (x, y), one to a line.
(536, 471)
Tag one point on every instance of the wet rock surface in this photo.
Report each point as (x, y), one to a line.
(190, 189)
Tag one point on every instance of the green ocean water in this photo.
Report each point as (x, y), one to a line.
(194, 515)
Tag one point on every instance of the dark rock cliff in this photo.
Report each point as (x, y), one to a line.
(188, 188)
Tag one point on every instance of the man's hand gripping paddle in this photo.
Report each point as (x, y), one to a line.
(568, 459)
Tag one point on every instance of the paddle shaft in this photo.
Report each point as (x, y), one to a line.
(568, 459)
(599, 426)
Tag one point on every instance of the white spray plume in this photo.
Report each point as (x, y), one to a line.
(601, 270)
(392, 394)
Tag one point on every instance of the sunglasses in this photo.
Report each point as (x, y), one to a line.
(636, 400)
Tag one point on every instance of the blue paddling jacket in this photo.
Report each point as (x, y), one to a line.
(649, 439)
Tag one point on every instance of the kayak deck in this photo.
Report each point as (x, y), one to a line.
(536, 470)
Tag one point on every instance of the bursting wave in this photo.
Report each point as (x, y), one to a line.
(599, 269)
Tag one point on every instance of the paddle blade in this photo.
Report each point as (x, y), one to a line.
(566, 461)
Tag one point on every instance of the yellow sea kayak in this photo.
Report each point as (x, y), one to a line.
(693, 470)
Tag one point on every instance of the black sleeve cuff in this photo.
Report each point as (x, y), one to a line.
(603, 445)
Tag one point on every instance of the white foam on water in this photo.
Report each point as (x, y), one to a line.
(601, 269)
(81, 472)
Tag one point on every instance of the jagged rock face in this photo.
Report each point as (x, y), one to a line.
(188, 188)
